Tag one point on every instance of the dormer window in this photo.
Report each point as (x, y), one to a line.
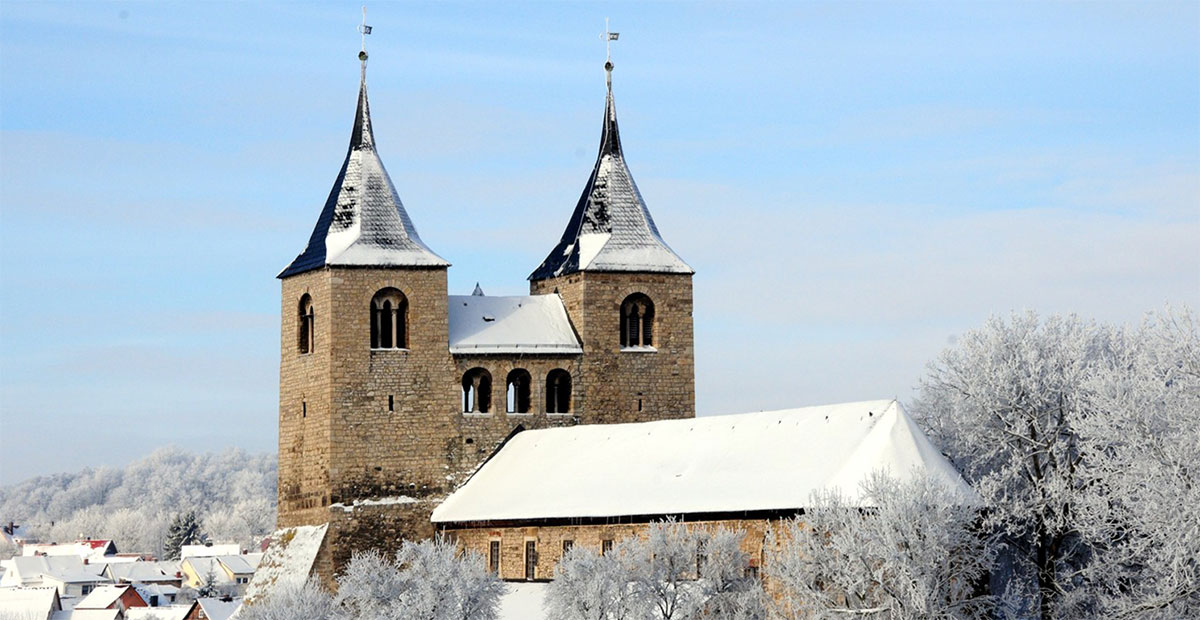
(389, 317)
(637, 322)
(306, 324)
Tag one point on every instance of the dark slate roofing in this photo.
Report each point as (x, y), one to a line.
(363, 222)
(611, 228)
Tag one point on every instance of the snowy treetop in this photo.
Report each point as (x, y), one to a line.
(757, 461)
(517, 324)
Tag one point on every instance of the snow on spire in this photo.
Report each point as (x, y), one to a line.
(611, 228)
(478, 292)
(363, 222)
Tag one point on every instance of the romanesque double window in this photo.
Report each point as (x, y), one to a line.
(389, 318)
(518, 392)
(558, 391)
(477, 391)
(637, 321)
(306, 324)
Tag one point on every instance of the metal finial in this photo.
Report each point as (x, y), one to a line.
(364, 30)
(608, 36)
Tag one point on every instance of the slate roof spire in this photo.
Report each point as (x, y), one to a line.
(363, 223)
(611, 228)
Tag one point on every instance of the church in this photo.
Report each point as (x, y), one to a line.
(523, 423)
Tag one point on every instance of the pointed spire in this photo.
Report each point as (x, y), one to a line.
(611, 228)
(478, 292)
(363, 222)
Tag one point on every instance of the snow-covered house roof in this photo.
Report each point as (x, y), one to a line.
(217, 609)
(142, 572)
(518, 324)
(611, 228)
(91, 549)
(87, 614)
(106, 597)
(171, 612)
(363, 222)
(32, 603)
(33, 571)
(768, 461)
(201, 551)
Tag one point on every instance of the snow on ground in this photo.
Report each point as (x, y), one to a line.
(524, 601)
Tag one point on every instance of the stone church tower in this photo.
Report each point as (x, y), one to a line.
(392, 392)
(629, 296)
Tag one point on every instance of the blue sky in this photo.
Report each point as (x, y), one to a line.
(855, 184)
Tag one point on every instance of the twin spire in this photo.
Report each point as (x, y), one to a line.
(364, 224)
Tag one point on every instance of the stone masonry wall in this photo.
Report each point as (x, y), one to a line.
(549, 540)
(630, 385)
(304, 399)
(482, 433)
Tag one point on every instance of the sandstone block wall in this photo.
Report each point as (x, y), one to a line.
(549, 540)
(359, 423)
(630, 385)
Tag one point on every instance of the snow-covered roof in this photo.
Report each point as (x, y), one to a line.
(288, 559)
(518, 324)
(87, 614)
(753, 461)
(611, 228)
(216, 609)
(91, 549)
(142, 572)
(29, 602)
(200, 551)
(61, 568)
(172, 612)
(363, 222)
(102, 597)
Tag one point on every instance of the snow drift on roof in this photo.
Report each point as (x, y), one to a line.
(753, 461)
(519, 324)
(288, 559)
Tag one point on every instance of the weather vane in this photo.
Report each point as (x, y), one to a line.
(364, 30)
(608, 36)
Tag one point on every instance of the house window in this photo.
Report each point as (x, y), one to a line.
(86, 589)
(518, 391)
(389, 317)
(494, 556)
(477, 391)
(558, 391)
(530, 560)
(637, 321)
(306, 324)
(606, 546)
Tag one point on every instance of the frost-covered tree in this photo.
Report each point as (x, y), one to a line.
(292, 601)
(676, 572)
(1142, 451)
(1005, 405)
(589, 585)
(134, 506)
(914, 553)
(184, 530)
(430, 580)
(729, 591)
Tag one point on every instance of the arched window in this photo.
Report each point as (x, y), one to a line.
(389, 318)
(306, 324)
(518, 391)
(477, 391)
(637, 321)
(558, 391)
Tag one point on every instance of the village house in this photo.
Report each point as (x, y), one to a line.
(119, 597)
